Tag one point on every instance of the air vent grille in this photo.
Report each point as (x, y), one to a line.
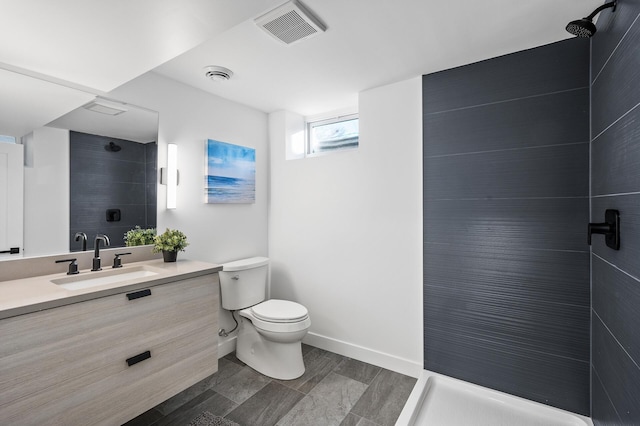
(104, 106)
(290, 23)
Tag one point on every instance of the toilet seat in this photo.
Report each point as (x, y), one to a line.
(278, 316)
(276, 310)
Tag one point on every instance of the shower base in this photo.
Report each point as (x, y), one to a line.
(442, 400)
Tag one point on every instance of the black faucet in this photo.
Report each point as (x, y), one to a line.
(96, 255)
(117, 262)
(73, 266)
(82, 236)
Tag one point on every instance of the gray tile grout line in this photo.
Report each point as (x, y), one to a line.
(520, 348)
(538, 95)
(606, 392)
(365, 390)
(615, 338)
(544, 303)
(491, 151)
(624, 36)
(571, 197)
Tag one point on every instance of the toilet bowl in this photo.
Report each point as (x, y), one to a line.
(270, 332)
(272, 344)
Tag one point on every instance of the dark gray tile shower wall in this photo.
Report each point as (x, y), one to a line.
(615, 183)
(506, 202)
(101, 180)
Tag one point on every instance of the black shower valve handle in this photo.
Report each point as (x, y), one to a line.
(599, 228)
(610, 229)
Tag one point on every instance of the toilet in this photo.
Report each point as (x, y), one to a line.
(270, 332)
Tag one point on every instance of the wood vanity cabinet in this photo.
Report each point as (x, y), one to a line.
(106, 360)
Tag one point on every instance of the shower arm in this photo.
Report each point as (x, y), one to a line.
(601, 8)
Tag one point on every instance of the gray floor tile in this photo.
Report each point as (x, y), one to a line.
(184, 414)
(384, 398)
(206, 418)
(331, 355)
(241, 386)
(233, 358)
(209, 400)
(145, 419)
(357, 370)
(183, 397)
(306, 348)
(226, 369)
(327, 404)
(366, 422)
(217, 404)
(317, 366)
(267, 406)
(350, 420)
(333, 391)
(354, 420)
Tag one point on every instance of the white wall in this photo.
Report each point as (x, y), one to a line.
(345, 232)
(216, 232)
(46, 192)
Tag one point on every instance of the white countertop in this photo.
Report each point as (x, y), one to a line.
(22, 296)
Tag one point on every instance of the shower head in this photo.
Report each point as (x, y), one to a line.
(113, 147)
(585, 27)
(582, 28)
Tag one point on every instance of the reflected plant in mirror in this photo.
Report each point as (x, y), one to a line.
(139, 236)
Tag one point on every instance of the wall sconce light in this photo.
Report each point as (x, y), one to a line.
(169, 176)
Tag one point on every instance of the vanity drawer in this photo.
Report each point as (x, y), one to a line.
(69, 363)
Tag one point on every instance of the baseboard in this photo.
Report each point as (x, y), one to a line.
(381, 359)
(227, 346)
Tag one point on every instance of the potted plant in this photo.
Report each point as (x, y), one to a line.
(170, 242)
(139, 237)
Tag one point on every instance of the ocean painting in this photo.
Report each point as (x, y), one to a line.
(231, 173)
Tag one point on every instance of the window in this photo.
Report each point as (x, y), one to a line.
(332, 134)
(7, 139)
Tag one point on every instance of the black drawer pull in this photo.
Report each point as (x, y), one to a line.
(139, 294)
(138, 358)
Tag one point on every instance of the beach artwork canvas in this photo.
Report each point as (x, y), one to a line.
(231, 173)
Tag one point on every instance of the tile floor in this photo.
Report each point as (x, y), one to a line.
(334, 390)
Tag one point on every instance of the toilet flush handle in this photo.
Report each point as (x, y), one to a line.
(235, 277)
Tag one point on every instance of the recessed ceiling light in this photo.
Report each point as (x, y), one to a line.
(217, 73)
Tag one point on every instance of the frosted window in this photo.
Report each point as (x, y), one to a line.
(334, 134)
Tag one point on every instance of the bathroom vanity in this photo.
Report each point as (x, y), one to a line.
(94, 349)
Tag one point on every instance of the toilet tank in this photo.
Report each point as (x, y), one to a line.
(243, 283)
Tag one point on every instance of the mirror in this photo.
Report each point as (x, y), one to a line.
(92, 171)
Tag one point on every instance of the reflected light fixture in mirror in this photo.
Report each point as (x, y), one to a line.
(172, 175)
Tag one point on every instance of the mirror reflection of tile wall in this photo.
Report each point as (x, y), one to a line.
(103, 177)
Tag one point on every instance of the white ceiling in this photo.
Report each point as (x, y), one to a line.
(95, 46)
(369, 43)
(136, 124)
(56, 55)
(27, 103)
(103, 44)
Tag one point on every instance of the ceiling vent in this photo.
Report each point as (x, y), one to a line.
(104, 106)
(290, 23)
(216, 73)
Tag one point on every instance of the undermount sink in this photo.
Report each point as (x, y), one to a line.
(110, 276)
